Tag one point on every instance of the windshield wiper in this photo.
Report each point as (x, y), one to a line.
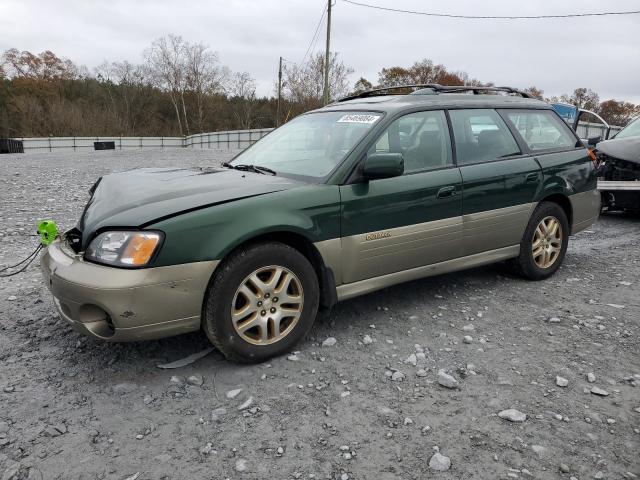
(250, 168)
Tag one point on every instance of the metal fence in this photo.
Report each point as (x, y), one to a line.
(229, 140)
(590, 130)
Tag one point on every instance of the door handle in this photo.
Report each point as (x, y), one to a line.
(445, 192)
(532, 177)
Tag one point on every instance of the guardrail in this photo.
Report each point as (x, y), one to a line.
(227, 140)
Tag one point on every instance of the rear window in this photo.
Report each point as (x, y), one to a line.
(481, 135)
(541, 130)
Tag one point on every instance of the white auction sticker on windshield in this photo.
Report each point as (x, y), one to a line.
(358, 118)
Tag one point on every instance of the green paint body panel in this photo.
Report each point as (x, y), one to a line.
(500, 184)
(566, 173)
(395, 202)
(312, 211)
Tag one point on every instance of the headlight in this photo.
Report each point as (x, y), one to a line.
(123, 249)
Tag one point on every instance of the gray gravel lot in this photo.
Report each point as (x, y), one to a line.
(371, 405)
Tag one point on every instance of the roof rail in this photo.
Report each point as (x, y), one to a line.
(435, 88)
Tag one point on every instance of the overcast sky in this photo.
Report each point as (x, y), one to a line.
(601, 53)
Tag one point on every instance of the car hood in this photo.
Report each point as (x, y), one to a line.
(623, 148)
(140, 197)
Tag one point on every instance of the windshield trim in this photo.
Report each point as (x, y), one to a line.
(325, 178)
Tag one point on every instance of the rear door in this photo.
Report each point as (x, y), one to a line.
(395, 224)
(500, 181)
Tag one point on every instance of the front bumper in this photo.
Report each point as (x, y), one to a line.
(120, 305)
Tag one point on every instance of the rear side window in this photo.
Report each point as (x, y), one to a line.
(481, 135)
(541, 130)
(422, 138)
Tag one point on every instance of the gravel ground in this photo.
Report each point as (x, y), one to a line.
(545, 375)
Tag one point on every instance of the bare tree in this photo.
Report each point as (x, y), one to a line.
(305, 84)
(243, 94)
(128, 87)
(204, 77)
(535, 92)
(362, 85)
(583, 98)
(166, 61)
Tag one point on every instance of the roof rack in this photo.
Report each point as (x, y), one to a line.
(434, 88)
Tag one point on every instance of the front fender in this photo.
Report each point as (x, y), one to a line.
(312, 211)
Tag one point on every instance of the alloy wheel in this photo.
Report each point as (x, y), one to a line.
(547, 242)
(267, 305)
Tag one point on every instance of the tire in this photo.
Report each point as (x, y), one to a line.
(247, 284)
(534, 267)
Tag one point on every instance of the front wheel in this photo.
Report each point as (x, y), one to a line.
(544, 243)
(260, 302)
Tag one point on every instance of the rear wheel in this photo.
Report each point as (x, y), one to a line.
(544, 243)
(260, 302)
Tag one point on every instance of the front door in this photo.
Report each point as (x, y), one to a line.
(500, 182)
(394, 224)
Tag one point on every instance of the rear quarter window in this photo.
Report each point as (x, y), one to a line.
(541, 130)
(481, 136)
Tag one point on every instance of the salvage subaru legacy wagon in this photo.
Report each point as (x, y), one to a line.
(377, 189)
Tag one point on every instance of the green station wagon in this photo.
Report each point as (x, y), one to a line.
(377, 189)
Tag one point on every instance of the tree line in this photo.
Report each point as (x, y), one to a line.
(182, 88)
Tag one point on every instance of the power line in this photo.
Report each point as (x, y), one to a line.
(314, 39)
(492, 17)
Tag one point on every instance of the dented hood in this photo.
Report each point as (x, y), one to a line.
(623, 148)
(139, 197)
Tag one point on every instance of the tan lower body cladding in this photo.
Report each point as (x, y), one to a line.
(373, 260)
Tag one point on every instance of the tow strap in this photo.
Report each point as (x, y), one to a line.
(48, 232)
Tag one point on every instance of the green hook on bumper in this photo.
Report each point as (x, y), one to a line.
(48, 231)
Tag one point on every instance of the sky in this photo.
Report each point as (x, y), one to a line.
(601, 53)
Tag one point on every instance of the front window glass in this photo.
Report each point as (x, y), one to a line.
(542, 130)
(422, 138)
(310, 145)
(631, 130)
(481, 135)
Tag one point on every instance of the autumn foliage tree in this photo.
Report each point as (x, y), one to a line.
(183, 88)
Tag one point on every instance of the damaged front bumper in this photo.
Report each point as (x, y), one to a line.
(116, 304)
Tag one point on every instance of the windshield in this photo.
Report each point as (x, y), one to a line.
(310, 145)
(631, 130)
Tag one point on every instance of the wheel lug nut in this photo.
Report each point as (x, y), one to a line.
(266, 295)
(259, 304)
(273, 310)
(275, 299)
(263, 313)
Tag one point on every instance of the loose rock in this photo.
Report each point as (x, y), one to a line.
(447, 380)
(512, 415)
(329, 342)
(233, 393)
(197, 380)
(599, 391)
(439, 462)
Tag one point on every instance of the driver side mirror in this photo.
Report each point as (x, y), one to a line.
(383, 165)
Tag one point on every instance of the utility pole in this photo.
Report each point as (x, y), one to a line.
(326, 56)
(279, 93)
